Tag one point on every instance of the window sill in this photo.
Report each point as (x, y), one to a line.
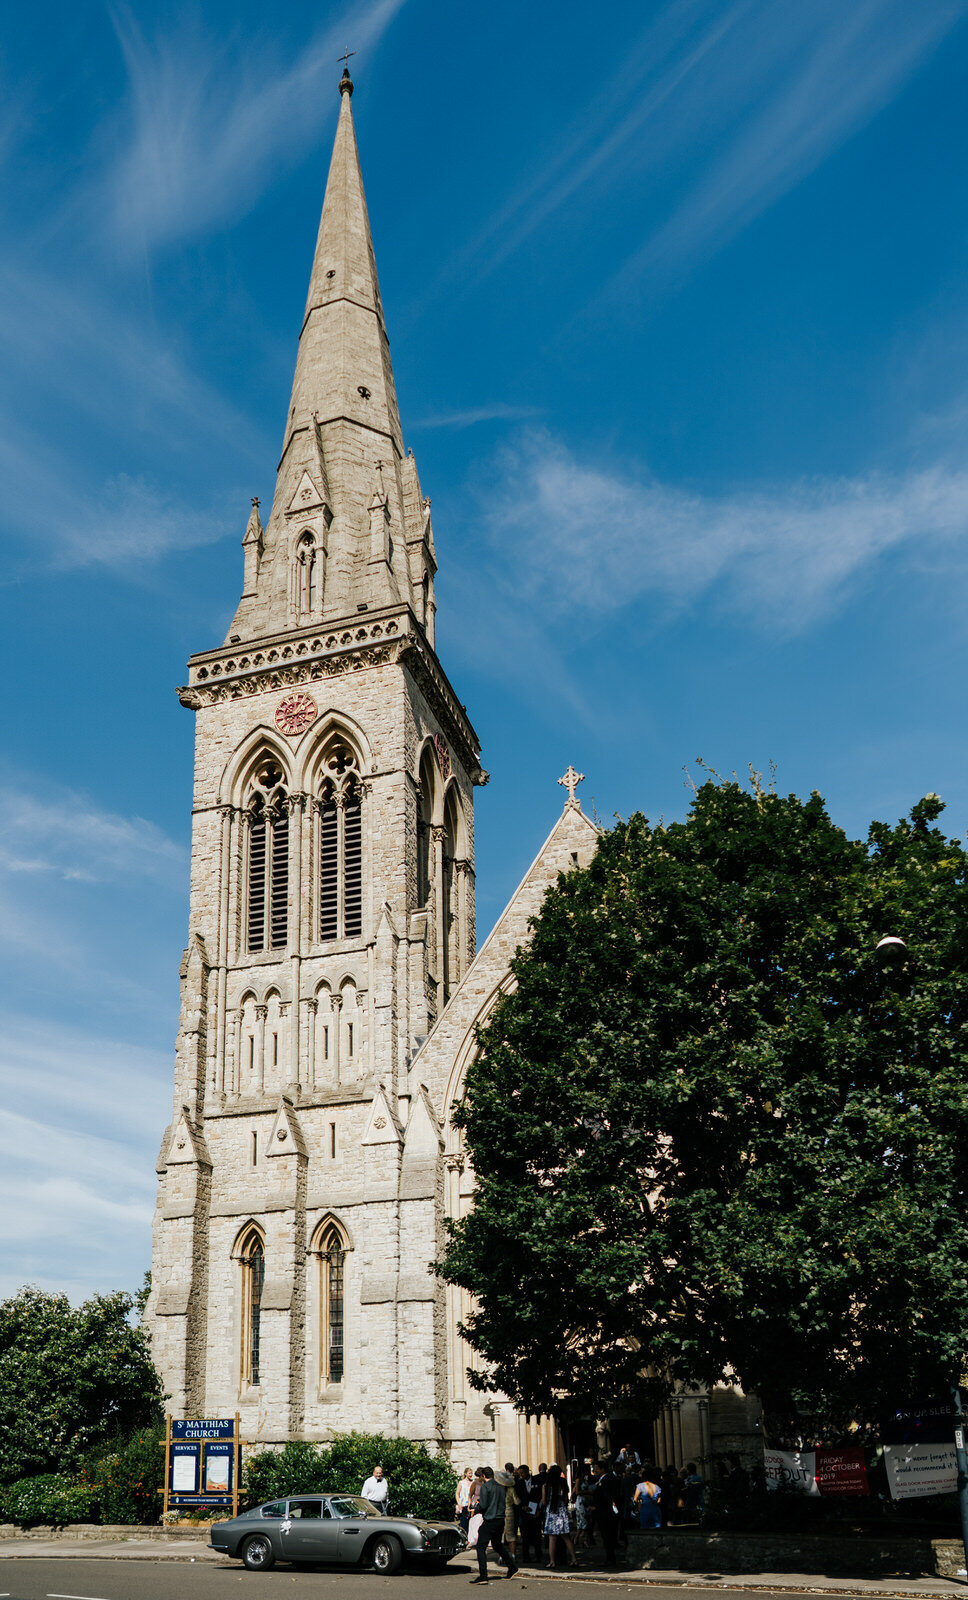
(260, 958)
(330, 1395)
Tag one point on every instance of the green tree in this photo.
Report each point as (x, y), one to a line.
(419, 1482)
(71, 1378)
(127, 1479)
(713, 1137)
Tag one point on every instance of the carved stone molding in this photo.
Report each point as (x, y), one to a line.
(289, 664)
(262, 1012)
(312, 1006)
(242, 685)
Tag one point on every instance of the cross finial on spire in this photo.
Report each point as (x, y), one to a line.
(570, 781)
(346, 82)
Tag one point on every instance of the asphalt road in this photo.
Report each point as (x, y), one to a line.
(87, 1579)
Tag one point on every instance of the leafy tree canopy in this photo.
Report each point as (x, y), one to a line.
(714, 1137)
(418, 1482)
(71, 1378)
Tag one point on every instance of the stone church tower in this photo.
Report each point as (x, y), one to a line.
(331, 988)
(332, 914)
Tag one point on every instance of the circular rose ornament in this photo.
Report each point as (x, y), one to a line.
(296, 713)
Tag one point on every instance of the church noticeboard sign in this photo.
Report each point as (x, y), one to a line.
(202, 1463)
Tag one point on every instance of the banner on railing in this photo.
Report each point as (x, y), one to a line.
(826, 1472)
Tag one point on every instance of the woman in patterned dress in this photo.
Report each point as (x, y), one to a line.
(556, 1523)
(584, 1508)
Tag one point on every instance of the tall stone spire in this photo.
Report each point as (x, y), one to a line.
(342, 443)
(343, 346)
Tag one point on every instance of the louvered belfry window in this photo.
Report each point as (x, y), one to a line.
(257, 875)
(353, 865)
(279, 902)
(329, 869)
(340, 847)
(267, 896)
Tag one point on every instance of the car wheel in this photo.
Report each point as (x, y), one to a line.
(257, 1554)
(385, 1553)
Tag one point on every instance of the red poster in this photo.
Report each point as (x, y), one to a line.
(841, 1472)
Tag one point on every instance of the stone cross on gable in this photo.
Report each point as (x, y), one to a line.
(570, 781)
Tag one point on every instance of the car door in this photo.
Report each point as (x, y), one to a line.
(306, 1534)
(352, 1530)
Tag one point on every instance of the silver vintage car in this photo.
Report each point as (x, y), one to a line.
(340, 1528)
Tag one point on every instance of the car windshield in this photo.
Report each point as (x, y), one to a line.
(350, 1505)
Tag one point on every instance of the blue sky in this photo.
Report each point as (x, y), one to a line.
(678, 312)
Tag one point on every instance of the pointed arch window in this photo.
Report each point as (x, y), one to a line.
(340, 846)
(330, 1248)
(425, 813)
(251, 1254)
(450, 906)
(267, 869)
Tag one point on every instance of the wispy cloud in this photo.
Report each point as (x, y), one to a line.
(69, 837)
(844, 66)
(123, 384)
(213, 121)
(655, 68)
(75, 878)
(589, 540)
(79, 1130)
(476, 414)
(714, 113)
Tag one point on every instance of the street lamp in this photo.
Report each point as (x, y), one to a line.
(891, 951)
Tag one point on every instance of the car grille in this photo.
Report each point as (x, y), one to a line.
(447, 1542)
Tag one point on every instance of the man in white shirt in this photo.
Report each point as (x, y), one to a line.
(375, 1489)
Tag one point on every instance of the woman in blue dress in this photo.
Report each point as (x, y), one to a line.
(648, 1498)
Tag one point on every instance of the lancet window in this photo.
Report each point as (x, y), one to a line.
(330, 1248)
(340, 846)
(251, 1254)
(267, 867)
(450, 906)
(425, 814)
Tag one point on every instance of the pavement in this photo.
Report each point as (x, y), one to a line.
(199, 1552)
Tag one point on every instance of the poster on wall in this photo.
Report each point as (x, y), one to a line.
(218, 1470)
(184, 1469)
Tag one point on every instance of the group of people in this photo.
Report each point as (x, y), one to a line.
(539, 1516)
(513, 1512)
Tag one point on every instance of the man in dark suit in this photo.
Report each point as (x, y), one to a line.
(607, 1497)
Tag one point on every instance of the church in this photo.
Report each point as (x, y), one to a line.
(332, 984)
